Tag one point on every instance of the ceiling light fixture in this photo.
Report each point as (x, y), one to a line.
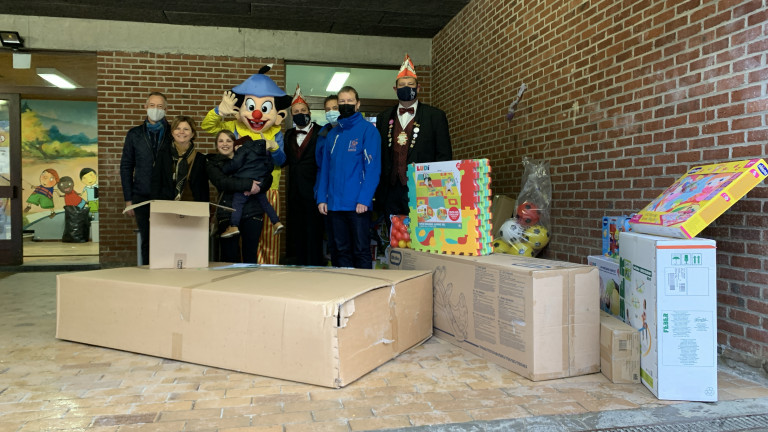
(56, 78)
(337, 81)
(11, 39)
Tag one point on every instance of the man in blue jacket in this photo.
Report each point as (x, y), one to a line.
(349, 174)
(142, 145)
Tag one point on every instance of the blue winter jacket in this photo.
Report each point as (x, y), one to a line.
(351, 165)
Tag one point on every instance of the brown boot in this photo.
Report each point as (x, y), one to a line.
(279, 227)
(230, 232)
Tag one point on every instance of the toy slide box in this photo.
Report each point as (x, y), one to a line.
(326, 327)
(612, 299)
(671, 289)
(179, 232)
(699, 197)
(535, 317)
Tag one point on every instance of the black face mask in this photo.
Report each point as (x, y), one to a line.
(346, 110)
(406, 94)
(301, 120)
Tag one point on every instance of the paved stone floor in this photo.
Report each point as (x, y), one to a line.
(50, 385)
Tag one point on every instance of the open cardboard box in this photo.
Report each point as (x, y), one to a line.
(319, 326)
(179, 233)
(535, 317)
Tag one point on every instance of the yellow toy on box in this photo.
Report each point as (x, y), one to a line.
(698, 198)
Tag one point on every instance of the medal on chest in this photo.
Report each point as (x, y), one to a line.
(402, 137)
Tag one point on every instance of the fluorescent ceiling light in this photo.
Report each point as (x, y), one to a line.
(337, 81)
(56, 78)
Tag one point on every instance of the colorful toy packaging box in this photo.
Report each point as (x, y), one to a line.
(450, 207)
(611, 289)
(613, 226)
(696, 199)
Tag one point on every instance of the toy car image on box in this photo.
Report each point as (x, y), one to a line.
(696, 199)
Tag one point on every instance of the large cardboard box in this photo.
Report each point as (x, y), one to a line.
(619, 350)
(535, 317)
(315, 325)
(699, 197)
(179, 232)
(612, 299)
(671, 292)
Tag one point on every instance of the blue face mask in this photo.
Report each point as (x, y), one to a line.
(332, 117)
(406, 94)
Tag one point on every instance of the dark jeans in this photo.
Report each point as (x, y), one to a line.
(351, 239)
(142, 222)
(250, 232)
(238, 202)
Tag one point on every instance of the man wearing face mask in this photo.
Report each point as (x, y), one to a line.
(411, 132)
(142, 145)
(304, 224)
(350, 170)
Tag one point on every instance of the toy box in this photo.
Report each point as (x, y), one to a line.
(611, 289)
(696, 199)
(613, 226)
(671, 291)
(450, 207)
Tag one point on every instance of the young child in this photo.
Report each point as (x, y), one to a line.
(253, 161)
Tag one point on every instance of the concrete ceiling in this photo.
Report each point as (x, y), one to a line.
(401, 18)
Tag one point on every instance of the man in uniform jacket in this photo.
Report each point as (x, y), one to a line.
(304, 223)
(411, 132)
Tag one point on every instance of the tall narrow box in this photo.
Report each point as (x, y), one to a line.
(619, 350)
(670, 285)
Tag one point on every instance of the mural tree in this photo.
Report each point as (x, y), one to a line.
(33, 136)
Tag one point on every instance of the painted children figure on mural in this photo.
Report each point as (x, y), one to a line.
(90, 189)
(71, 198)
(42, 196)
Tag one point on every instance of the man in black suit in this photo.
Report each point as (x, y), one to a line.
(304, 223)
(411, 132)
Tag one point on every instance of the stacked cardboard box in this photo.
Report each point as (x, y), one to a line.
(535, 317)
(619, 350)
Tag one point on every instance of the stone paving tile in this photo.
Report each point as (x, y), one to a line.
(431, 418)
(273, 428)
(339, 425)
(343, 413)
(499, 413)
(379, 423)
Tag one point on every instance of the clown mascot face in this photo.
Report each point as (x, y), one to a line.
(255, 109)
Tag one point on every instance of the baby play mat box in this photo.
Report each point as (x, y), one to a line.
(179, 232)
(535, 317)
(450, 207)
(670, 285)
(319, 326)
(696, 199)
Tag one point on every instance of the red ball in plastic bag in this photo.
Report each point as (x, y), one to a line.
(528, 213)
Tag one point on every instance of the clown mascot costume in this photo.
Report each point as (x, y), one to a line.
(256, 107)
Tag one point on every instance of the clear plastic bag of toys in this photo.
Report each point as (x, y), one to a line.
(399, 233)
(527, 232)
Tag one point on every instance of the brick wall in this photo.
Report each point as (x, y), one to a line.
(623, 98)
(193, 84)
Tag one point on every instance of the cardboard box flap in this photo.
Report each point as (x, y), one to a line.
(186, 208)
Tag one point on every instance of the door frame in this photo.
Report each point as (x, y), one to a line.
(11, 252)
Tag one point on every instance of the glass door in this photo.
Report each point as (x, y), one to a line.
(10, 181)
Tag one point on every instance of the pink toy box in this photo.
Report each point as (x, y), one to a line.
(698, 198)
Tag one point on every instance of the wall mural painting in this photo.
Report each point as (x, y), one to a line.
(59, 178)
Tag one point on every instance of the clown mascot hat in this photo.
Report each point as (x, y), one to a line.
(262, 85)
(407, 69)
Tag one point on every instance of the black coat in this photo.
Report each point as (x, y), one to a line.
(433, 141)
(138, 160)
(251, 161)
(302, 173)
(163, 186)
(228, 185)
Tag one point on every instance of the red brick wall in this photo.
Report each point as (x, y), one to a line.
(623, 98)
(193, 85)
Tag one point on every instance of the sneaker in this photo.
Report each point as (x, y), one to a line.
(230, 232)
(279, 227)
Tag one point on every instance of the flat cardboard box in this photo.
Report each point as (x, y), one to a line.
(612, 298)
(319, 326)
(179, 233)
(619, 350)
(699, 197)
(671, 288)
(502, 208)
(535, 317)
